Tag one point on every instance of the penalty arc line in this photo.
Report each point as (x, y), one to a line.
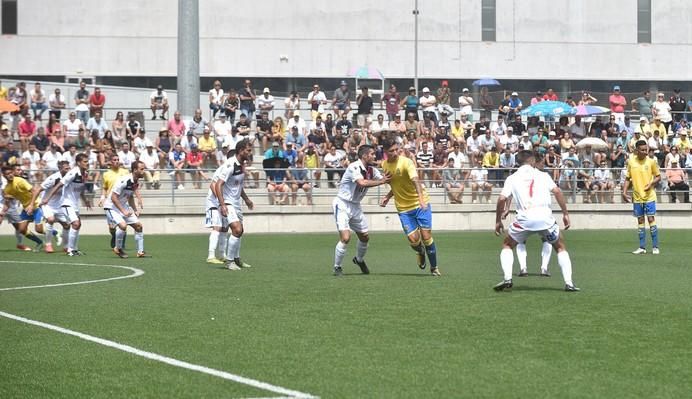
(138, 352)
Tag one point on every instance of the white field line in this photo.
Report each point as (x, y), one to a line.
(138, 352)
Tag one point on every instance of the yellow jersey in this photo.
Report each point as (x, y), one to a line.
(312, 161)
(491, 160)
(640, 173)
(403, 173)
(21, 190)
(110, 177)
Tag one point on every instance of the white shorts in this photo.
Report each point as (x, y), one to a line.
(12, 216)
(213, 218)
(71, 214)
(118, 217)
(234, 214)
(520, 233)
(51, 212)
(349, 215)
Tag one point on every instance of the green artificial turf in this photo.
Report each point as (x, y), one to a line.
(396, 333)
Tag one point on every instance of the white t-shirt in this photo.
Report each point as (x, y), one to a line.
(428, 103)
(479, 175)
(159, 98)
(261, 102)
(460, 159)
(66, 156)
(56, 200)
(216, 96)
(509, 141)
(319, 98)
(348, 188)
(141, 143)
(466, 105)
(531, 190)
(233, 177)
(126, 159)
(123, 188)
(72, 127)
(662, 110)
(51, 159)
(222, 129)
(73, 187)
(151, 161)
(33, 158)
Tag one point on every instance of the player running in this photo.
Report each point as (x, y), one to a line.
(643, 174)
(531, 190)
(52, 210)
(20, 189)
(412, 204)
(229, 190)
(347, 210)
(110, 177)
(123, 211)
(11, 214)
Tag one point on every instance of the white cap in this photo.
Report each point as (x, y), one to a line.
(643, 118)
(525, 134)
(551, 133)
(426, 90)
(266, 90)
(514, 93)
(465, 89)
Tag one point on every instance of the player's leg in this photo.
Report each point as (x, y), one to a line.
(73, 235)
(410, 226)
(212, 220)
(340, 251)
(639, 214)
(507, 256)
(235, 220)
(139, 236)
(49, 231)
(521, 257)
(25, 230)
(555, 238)
(424, 221)
(359, 224)
(653, 228)
(546, 252)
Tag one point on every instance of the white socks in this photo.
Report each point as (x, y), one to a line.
(546, 251)
(233, 247)
(566, 266)
(213, 243)
(339, 253)
(223, 243)
(49, 233)
(73, 239)
(119, 236)
(139, 240)
(361, 249)
(521, 256)
(507, 260)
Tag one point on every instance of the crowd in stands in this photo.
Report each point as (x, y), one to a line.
(451, 148)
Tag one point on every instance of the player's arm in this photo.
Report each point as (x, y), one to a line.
(247, 199)
(625, 187)
(508, 205)
(51, 193)
(140, 203)
(118, 205)
(502, 205)
(35, 191)
(419, 191)
(386, 198)
(363, 183)
(560, 198)
(131, 201)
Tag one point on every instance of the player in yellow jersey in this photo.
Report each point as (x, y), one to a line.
(642, 175)
(110, 177)
(412, 203)
(18, 188)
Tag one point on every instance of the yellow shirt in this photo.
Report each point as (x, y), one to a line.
(457, 132)
(206, 144)
(641, 173)
(21, 190)
(646, 130)
(3, 93)
(490, 160)
(684, 144)
(110, 177)
(312, 161)
(663, 132)
(403, 172)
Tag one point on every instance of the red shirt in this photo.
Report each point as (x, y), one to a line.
(97, 101)
(549, 97)
(617, 103)
(193, 158)
(27, 128)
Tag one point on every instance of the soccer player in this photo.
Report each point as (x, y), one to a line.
(546, 250)
(412, 204)
(347, 211)
(18, 188)
(110, 177)
(52, 210)
(11, 215)
(123, 211)
(642, 174)
(218, 237)
(229, 190)
(531, 190)
(72, 186)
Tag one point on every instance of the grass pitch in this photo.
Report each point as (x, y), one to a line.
(395, 333)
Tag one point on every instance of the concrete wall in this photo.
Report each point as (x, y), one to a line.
(536, 39)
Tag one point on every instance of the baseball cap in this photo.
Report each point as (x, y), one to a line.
(426, 90)
(296, 115)
(411, 88)
(464, 89)
(343, 83)
(551, 133)
(676, 90)
(616, 88)
(266, 90)
(4, 127)
(643, 118)
(525, 134)
(163, 129)
(275, 144)
(683, 132)
(190, 133)
(514, 93)
(159, 87)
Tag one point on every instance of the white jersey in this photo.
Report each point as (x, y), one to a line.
(531, 190)
(124, 188)
(348, 188)
(212, 201)
(73, 187)
(56, 200)
(233, 177)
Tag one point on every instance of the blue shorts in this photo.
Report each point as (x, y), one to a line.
(36, 217)
(644, 208)
(416, 219)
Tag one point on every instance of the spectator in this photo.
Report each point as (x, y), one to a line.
(390, 102)
(59, 139)
(466, 104)
(365, 104)
(486, 141)
(603, 184)
(443, 96)
(39, 103)
(552, 163)
(537, 98)
(677, 182)
(661, 127)
(410, 103)
(341, 102)
(278, 130)
(317, 101)
(247, 99)
(119, 130)
(550, 95)
(195, 160)
(33, 159)
(643, 105)
(429, 104)
(231, 102)
(585, 180)
(661, 109)
(3, 92)
(207, 146)
(290, 154)
(140, 143)
(298, 177)
(71, 127)
(222, 129)
(265, 102)
(158, 100)
(618, 157)
(312, 163)
(164, 145)
(57, 103)
(151, 162)
(479, 182)
(20, 97)
(486, 103)
(378, 125)
(264, 131)
(243, 126)
(5, 136)
(491, 162)
(509, 140)
(453, 181)
(126, 156)
(70, 156)
(177, 159)
(40, 141)
(27, 129)
(275, 151)
(334, 164)
(678, 105)
(50, 159)
(277, 184)
(424, 164)
(566, 144)
(402, 128)
(525, 142)
(216, 95)
(96, 102)
(291, 105)
(296, 121)
(518, 126)
(82, 140)
(297, 139)
(97, 123)
(643, 128)
(133, 127)
(176, 126)
(683, 142)
(188, 142)
(515, 106)
(198, 123)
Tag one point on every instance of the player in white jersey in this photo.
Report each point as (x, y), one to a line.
(346, 206)
(218, 237)
(228, 190)
(53, 210)
(531, 191)
(72, 186)
(123, 211)
(12, 215)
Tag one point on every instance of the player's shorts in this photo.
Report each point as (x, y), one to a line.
(349, 215)
(520, 233)
(416, 219)
(12, 216)
(70, 213)
(644, 208)
(214, 218)
(36, 217)
(51, 212)
(118, 217)
(234, 214)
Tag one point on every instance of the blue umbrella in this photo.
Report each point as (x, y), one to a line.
(486, 82)
(549, 108)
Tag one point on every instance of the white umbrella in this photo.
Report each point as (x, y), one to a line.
(593, 142)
